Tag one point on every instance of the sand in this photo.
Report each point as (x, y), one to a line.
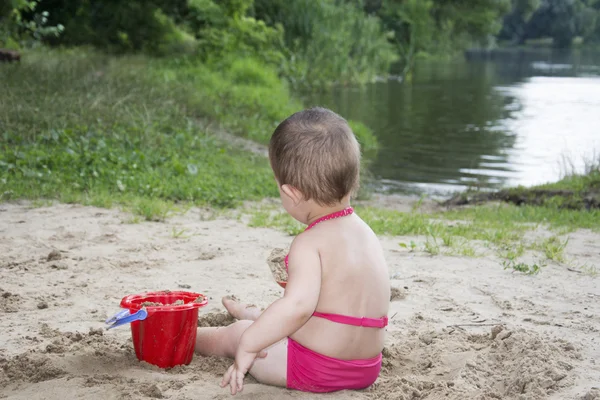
(276, 263)
(460, 328)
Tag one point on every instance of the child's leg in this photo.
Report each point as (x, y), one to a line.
(223, 342)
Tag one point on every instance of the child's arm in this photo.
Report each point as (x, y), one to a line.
(283, 317)
(288, 314)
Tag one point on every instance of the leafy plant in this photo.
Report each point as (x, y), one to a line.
(412, 244)
(22, 25)
(527, 269)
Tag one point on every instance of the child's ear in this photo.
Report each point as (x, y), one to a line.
(292, 193)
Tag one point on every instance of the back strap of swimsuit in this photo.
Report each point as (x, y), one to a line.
(354, 321)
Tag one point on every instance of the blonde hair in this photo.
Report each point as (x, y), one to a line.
(316, 152)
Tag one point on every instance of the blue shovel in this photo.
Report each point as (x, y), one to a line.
(125, 317)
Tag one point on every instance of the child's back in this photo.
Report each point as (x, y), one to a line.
(355, 282)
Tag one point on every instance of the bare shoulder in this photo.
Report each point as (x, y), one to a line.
(304, 242)
(366, 228)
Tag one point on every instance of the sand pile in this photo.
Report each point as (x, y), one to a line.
(9, 302)
(42, 363)
(453, 364)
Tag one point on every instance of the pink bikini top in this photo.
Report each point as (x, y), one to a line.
(343, 319)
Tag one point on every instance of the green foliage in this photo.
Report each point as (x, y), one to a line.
(468, 21)
(413, 25)
(511, 251)
(437, 26)
(328, 41)
(412, 245)
(183, 166)
(122, 26)
(224, 31)
(245, 97)
(431, 244)
(16, 30)
(559, 20)
(81, 127)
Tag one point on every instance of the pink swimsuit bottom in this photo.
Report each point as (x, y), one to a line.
(310, 371)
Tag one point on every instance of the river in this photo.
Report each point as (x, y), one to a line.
(518, 117)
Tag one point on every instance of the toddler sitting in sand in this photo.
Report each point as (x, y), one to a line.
(327, 332)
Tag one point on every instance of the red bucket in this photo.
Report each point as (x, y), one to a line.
(167, 336)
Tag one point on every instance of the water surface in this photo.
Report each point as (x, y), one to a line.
(511, 119)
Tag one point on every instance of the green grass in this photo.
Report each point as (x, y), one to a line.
(588, 269)
(81, 127)
(269, 218)
(511, 251)
(496, 224)
(587, 181)
(179, 233)
(504, 228)
(554, 248)
(577, 185)
(509, 216)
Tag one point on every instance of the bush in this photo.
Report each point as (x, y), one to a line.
(245, 97)
(329, 42)
(224, 31)
(249, 71)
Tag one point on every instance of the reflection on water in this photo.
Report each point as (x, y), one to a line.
(497, 122)
(558, 117)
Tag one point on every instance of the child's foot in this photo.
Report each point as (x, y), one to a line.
(239, 310)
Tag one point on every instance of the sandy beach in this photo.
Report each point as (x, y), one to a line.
(461, 328)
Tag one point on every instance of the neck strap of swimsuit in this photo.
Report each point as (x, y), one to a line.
(338, 214)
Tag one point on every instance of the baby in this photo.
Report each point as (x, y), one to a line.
(327, 332)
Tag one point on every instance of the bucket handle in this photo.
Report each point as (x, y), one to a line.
(125, 317)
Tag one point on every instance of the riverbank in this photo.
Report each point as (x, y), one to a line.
(147, 136)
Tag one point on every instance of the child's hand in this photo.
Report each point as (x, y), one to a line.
(235, 374)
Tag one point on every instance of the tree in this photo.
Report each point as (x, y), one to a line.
(555, 19)
(515, 22)
(412, 24)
